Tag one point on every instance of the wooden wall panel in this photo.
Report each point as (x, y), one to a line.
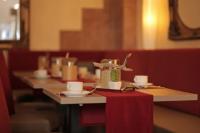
(103, 29)
(97, 33)
(130, 19)
(70, 39)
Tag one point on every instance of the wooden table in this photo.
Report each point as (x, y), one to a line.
(52, 88)
(164, 94)
(159, 95)
(35, 83)
(54, 93)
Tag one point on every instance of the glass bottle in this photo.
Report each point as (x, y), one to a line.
(115, 74)
(109, 72)
(69, 69)
(56, 63)
(43, 62)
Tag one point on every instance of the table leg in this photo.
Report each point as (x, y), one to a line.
(71, 121)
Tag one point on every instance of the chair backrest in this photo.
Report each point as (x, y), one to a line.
(4, 116)
(6, 83)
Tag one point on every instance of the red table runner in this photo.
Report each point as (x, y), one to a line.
(127, 112)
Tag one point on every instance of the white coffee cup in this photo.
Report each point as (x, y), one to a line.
(74, 86)
(114, 85)
(141, 79)
(41, 73)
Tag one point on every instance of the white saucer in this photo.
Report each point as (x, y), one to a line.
(143, 86)
(70, 94)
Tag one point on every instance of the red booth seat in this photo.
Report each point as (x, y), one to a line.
(177, 69)
(22, 59)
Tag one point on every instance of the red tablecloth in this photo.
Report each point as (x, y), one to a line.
(127, 112)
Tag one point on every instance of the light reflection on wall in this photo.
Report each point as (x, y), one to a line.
(149, 23)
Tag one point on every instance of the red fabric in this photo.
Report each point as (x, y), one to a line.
(92, 114)
(177, 69)
(128, 112)
(6, 84)
(22, 60)
(4, 116)
(26, 60)
(173, 68)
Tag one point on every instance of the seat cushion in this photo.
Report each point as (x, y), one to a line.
(41, 109)
(29, 123)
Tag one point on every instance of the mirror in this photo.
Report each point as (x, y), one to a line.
(14, 21)
(184, 19)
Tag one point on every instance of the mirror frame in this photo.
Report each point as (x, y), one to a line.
(24, 26)
(177, 29)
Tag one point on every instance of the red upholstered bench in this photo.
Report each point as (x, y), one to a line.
(177, 69)
(25, 60)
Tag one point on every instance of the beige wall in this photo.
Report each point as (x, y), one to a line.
(187, 14)
(48, 17)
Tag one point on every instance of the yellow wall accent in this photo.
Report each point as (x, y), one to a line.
(149, 23)
(156, 37)
(49, 17)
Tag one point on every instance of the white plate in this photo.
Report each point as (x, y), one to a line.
(143, 86)
(70, 94)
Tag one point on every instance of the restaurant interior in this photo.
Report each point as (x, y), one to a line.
(99, 66)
